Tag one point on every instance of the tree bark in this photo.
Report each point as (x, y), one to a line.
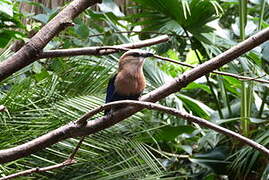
(29, 52)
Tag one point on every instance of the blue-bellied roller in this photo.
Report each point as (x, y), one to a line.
(129, 82)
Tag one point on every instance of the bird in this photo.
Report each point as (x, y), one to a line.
(129, 82)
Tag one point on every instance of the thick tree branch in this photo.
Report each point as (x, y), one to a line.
(29, 52)
(74, 130)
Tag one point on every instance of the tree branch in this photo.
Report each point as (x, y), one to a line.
(72, 156)
(176, 113)
(101, 50)
(29, 52)
(36, 170)
(73, 129)
(135, 32)
(69, 161)
(216, 72)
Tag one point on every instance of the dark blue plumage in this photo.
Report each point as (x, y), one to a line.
(112, 95)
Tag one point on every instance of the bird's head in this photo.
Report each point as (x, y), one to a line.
(133, 59)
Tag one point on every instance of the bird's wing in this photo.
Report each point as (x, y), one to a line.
(110, 91)
(112, 95)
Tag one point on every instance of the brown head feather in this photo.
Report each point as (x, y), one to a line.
(130, 79)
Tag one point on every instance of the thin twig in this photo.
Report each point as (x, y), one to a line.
(37, 170)
(239, 77)
(173, 61)
(101, 50)
(137, 32)
(77, 148)
(166, 154)
(69, 161)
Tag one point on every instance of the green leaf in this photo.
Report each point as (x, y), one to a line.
(215, 159)
(195, 85)
(172, 54)
(265, 174)
(58, 66)
(42, 18)
(6, 36)
(197, 107)
(192, 58)
(6, 7)
(210, 177)
(257, 120)
(109, 6)
(192, 15)
(265, 51)
(37, 67)
(169, 133)
(82, 30)
(42, 75)
(187, 149)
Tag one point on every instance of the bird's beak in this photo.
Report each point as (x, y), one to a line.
(144, 56)
(148, 54)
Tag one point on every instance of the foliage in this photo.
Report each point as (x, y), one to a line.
(149, 145)
(10, 24)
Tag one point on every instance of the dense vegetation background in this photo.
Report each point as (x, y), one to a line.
(149, 145)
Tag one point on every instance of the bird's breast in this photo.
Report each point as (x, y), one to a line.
(130, 84)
